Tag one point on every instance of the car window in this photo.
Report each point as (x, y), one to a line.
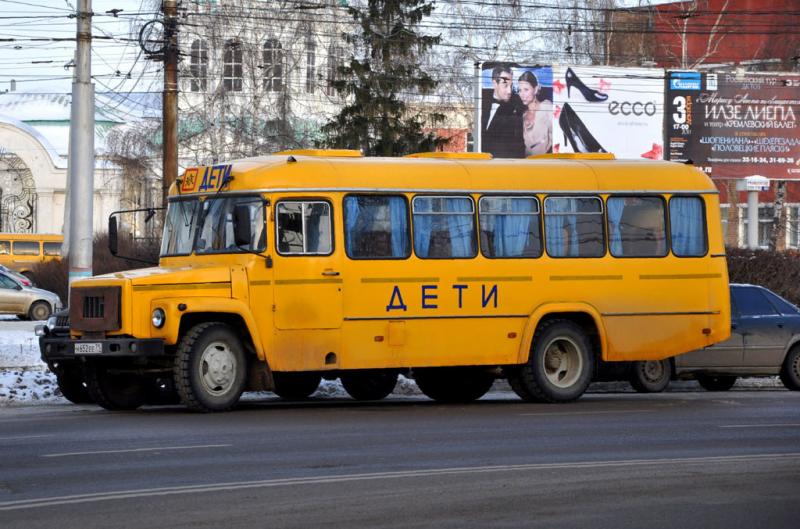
(752, 302)
(7, 282)
(783, 306)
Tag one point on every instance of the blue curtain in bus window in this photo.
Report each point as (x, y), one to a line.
(687, 226)
(561, 228)
(399, 225)
(510, 232)
(351, 211)
(460, 227)
(615, 208)
(423, 226)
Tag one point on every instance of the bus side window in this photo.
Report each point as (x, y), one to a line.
(5, 248)
(376, 227)
(687, 219)
(52, 249)
(26, 248)
(510, 227)
(637, 226)
(304, 228)
(574, 226)
(444, 227)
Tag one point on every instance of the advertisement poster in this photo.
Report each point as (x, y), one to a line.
(735, 125)
(607, 109)
(516, 110)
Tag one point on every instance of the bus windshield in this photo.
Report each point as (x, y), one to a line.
(180, 227)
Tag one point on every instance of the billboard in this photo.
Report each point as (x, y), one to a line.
(735, 125)
(527, 110)
(607, 109)
(516, 110)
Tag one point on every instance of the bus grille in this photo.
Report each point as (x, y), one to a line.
(95, 309)
(93, 306)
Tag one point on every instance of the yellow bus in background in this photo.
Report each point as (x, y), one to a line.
(453, 268)
(22, 251)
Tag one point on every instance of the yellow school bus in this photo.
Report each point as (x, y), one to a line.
(22, 251)
(455, 269)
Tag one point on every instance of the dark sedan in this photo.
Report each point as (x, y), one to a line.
(764, 341)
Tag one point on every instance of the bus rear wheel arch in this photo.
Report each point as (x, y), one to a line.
(560, 366)
(210, 368)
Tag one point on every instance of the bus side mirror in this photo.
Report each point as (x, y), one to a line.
(241, 225)
(112, 235)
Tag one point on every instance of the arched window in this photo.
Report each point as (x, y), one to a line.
(232, 66)
(198, 65)
(311, 63)
(273, 65)
(334, 62)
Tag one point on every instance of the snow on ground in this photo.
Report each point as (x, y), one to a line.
(26, 380)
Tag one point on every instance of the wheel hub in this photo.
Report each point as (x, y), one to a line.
(562, 362)
(217, 368)
(653, 371)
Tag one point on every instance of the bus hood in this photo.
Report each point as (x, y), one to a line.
(169, 275)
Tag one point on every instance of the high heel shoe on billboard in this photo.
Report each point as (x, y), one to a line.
(588, 93)
(576, 132)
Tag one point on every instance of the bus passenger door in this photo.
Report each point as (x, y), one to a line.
(307, 267)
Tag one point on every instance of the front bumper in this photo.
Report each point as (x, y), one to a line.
(63, 347)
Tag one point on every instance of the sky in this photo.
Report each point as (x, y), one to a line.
(117, 64)
(39, 66)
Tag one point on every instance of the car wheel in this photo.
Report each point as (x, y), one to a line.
(716, 382)
(650, 376)
(40, 310)
(790, 372)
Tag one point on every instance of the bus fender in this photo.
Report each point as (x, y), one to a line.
(568, 310)
(170, 332)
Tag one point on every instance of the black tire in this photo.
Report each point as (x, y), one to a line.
(210, 368)
(790, 371)
(113, 389)
(716, 382)
(369, 384)
(295, 386)
(72, 386)
(162, 392)
(650, 376)
(453, 384)
(540, 379)
(39, 310)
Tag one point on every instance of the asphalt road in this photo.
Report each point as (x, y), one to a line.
(608, 461)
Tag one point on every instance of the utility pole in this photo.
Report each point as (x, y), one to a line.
(170, 99)
(81, 151)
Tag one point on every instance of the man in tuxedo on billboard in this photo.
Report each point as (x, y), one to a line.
(501, 117)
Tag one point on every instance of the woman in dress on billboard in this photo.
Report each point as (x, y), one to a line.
(537, 131)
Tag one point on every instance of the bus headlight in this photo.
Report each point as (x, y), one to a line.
(158, 318)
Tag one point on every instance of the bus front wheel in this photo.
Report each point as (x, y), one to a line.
(369, 384)
(453, 384)
(210, 368)
(112, 388)
(560, 365)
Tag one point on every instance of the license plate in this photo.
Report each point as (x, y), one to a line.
(88, 348)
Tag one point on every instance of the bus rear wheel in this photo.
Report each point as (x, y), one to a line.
(650, 376)
(114, 389)
(453, 384)
(369, 384)
(560, 365)
(210, 368)
(295, 386)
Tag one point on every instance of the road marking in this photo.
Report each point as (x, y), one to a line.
(556, 413)
(24, 437)
(777, 425)
(156, 449)
(342, 478)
